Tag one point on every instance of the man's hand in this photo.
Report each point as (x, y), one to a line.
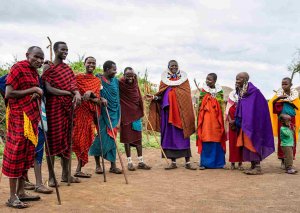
(77, 98)
(87, 95)
(38, 90)
(34, 96)
(104, 102)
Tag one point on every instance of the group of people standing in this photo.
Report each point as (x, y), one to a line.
(84, 112)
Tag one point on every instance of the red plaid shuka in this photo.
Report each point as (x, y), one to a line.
(84, 126)
(18, 154)
(58, 109)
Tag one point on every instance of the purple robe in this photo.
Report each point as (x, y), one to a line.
(253, 117)
(171, 136)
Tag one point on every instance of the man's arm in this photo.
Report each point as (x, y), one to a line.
(54, 91)
(11, 93)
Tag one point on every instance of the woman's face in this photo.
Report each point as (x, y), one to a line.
(173, 67)
(210, 81)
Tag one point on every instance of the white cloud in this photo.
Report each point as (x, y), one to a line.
(225, 36)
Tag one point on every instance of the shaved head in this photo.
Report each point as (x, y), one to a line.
(244, 75)
(33, 48)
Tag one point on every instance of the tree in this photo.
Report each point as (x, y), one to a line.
(294, 67)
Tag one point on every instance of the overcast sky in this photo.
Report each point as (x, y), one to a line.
(221, 36)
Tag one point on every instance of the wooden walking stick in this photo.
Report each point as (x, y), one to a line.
(50, 47)
(164, 154)
(47, 148)
(115, 140)
(101, 145)
(71, 142)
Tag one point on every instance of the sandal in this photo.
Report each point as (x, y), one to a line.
(17, 204)
(73, 180)
(43, 189)
(28, 197)
(255, 171)
(291, 171)
(171, 166)
(189, 166)
(131, 167)
(115, 170)
(202, 168)
(52, 184)
(29, 186)
(82, 175)
(98, 170)
(143, 166)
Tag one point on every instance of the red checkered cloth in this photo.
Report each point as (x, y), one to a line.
(18, 154)
(85, 114)
(58, 109)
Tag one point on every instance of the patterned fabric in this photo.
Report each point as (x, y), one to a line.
(183, 95)
(2, 85)
(84, 126)
(59, 109)
(18, 154)
(110, 92)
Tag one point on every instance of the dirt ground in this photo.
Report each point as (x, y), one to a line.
(178, 190)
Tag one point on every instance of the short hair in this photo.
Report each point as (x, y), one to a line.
(30, 49)
(127, 68)
(88, 58)
(56, 44)
(213, 75)
(287, 78)
(108, 65)
(171, 62)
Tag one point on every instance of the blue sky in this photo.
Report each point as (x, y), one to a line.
(225, 37)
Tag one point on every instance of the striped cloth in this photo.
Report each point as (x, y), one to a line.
(59, 109)
(18, 154)
(84, 126)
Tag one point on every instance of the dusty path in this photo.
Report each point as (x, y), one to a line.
(179, 190)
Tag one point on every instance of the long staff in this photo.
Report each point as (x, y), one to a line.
(101, 145)
(164, 154)
(120, 158)
(147, 89)
(47, 146)
(71, 142)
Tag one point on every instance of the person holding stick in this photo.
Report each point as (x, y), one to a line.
(62, 94)
(22, 114)
(171, 113)
(110, 92)
(84, 122)
(132, 111)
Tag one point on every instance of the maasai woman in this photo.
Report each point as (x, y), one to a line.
(110, 92)
(84, 126)
(285, 101)
(171, 113)
(211, 136)
(235, 153)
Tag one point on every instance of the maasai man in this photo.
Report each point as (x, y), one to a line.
(62, 92)
(235, 153)
(171, 113)
(39, 150)
(84, 125)
(285, 101)
(211, 136)
(22, 118)
(110, 92)
(132, 111)
(253, 124)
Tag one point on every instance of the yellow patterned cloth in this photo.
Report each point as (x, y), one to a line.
(28, 129)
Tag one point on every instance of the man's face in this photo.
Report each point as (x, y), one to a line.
(112, 71)
(173, 67)
(210, 81)
(62, 51)
(90, 65)
(129, 76)
(286, 85)
(35, 58)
